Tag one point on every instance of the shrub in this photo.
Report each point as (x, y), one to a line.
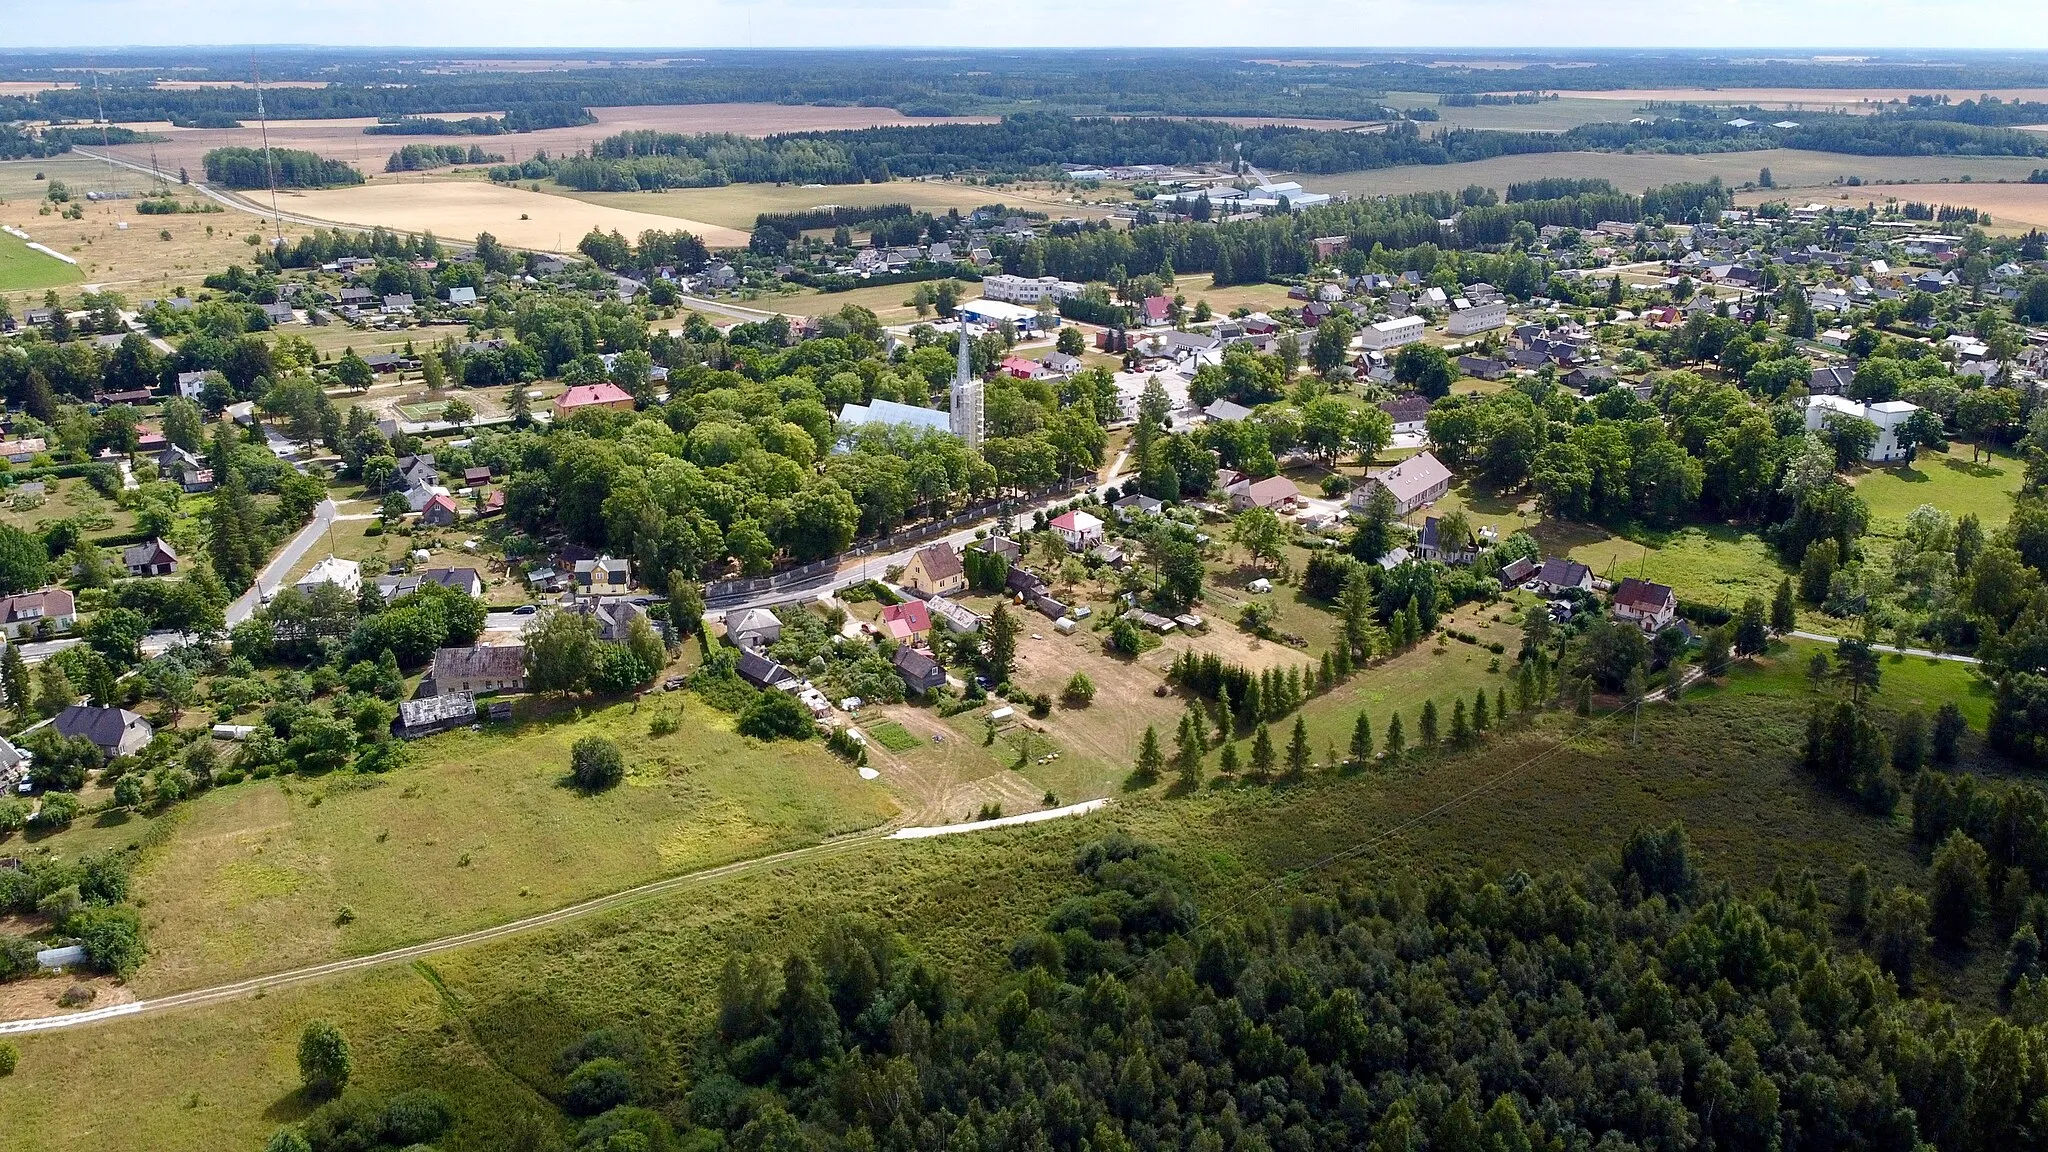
(8, 1059)
(58, 811)
(774, 716)
(595, 764)
(1079, 692)
(597, 1086)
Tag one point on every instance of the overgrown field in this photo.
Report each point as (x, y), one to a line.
(271, 874)
(484, 1023)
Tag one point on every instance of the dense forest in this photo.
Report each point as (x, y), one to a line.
(1628, 1005)
(1338, 83)
(417, 157)
(291, 168)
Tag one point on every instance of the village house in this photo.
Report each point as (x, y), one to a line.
(1137, 504)
(440, 511)
(762, 672)
(753, 629)
(921, 673)
(480, 670)
(1003, 546)
(1407, 412)
(23, 450)
(1080, 530)
(467, 581)
(153, 558)
(1558, 575)
(27, 613)
(1275, 493)
(600, 395)
(1433, 545)
(615, 615)
(1515, 571)
(1651, 606)
(114, 731)
(604, 574)
(475, 477)
(1413, 483)
(346, 575)
(909, 622)
(934, 571)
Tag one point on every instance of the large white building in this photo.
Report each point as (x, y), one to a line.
(1886, 414)
(1391, 333)
(1028, 289)
(1467, 317)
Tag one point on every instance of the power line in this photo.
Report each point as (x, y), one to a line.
(269, 172)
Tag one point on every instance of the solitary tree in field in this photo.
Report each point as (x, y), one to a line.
(1784, 613)
(324, 1061)
(1361, 740)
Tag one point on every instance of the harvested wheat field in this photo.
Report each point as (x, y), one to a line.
(2013, 207)
(459, 209)
(344, 139)
(1633, 172)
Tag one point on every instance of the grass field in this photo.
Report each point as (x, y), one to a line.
(484, 1023)
(1713, 565)
(481, 830)
(1949, 482)
(63, 500)
(1635, 172)
(736, 206)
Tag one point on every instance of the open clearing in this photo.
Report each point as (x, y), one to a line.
(344, 139)
(736, 206)
(459, 209)
(2013, 207)
(1633, 172)
(484, 1023)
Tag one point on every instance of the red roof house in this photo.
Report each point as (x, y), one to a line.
(907, 622)
(604, 395)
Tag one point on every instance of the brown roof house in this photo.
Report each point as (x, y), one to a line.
(25, 613)
(1276, 493)
(1651, 606)
(480, 670)
(1413, 483)
(935, 571)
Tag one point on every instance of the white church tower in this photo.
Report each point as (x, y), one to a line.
(966, 398)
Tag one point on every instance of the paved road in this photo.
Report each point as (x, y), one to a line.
(272, 577)
(1953, 657)
(257, 984)
(37, 651)
(858, 569)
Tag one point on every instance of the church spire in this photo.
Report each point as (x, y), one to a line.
(966, 396)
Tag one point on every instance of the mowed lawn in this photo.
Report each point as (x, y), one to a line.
(1714, 564)
(24, 269)
(480, 830)
(1949, 481)
(485, 1023)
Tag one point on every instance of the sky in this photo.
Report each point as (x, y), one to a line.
(1923, 24)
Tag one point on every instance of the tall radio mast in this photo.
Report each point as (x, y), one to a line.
(269, 172)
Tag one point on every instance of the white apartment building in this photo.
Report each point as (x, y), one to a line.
(1391, 333)
(1028, 290)
(1467, 317)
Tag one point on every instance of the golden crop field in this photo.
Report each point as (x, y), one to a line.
(1632, 172)
(2013, 207)
(459, 209)
(735, 206)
